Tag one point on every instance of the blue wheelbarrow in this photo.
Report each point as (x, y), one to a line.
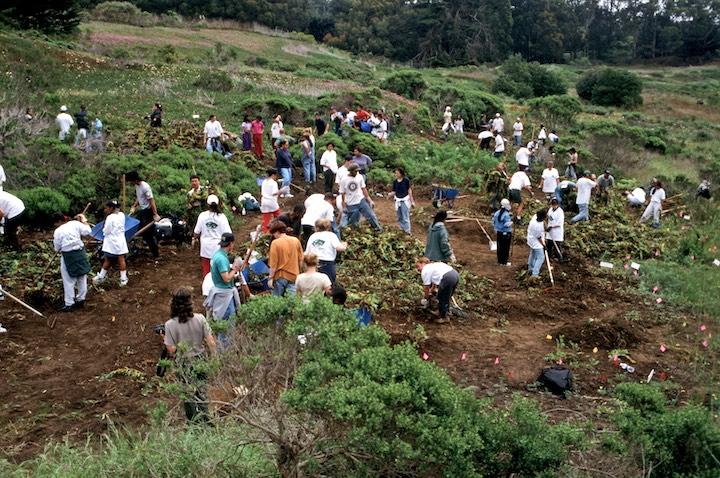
(444, 196)
(131, 228)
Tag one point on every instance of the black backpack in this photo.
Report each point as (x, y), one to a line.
(557, 379)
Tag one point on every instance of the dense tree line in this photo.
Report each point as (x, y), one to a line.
(457, 32)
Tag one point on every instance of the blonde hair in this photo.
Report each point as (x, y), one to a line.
(310, 260)
(323, 225)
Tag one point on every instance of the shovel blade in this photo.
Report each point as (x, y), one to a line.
(493, 246)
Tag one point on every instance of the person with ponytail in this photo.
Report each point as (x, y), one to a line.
(211, 225)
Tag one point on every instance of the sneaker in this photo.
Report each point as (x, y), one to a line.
(67, 308)
(123, 282)
(79, 304)
(3, 330)
(441, 321)
(509, 264)
(98, 280)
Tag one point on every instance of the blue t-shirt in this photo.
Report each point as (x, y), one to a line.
(401, 188)
(218, 264)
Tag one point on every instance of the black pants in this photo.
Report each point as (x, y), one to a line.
(11, 228)
(145, 216)
(307, 231)
(504, 239)
(329, 180)
(328, 268)
(446, 289)
(553, 251)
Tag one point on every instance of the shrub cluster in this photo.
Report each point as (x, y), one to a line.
(469, 103)
(521, 79)
(407, 83)
(214, 80)
(610, 87)
(555, 110)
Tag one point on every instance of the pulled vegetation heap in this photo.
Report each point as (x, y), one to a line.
(303, 391)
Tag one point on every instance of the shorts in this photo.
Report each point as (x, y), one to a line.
(515, 196)
(112, 257)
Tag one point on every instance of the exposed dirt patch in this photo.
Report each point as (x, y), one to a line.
(608, 334)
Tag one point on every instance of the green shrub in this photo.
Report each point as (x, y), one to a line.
(167, 54)
(610, 87)
(120, 12)
(407, 83)
(256, 61)
(41, 203)
(214, 80)
(521, 79)
(555, 110)
(471, 104)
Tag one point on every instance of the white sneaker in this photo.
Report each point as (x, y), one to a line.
(123, 282)
(98, 280)
(288, 195)
(3, 330)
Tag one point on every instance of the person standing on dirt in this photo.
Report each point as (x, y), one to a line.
(328, 161)
(193, 332)
(605, 182)
(12, 213)
(317, 206)
(147, 210)
(246, 128)
(503, 225)
(257, 128)
(402, 193)
(555, 230)
(542, 135)
(83, 125)
(437, 245)
(549, 180)
(156, 116)
(269, 192)
(209, 228)
(654, 208)
(325, 244)
(320, 125)
(223, 299)
(518, 131)
(485, 136)
(522, 157)
(497, 185)
(211, 135)
(308, 159)
(499, 145)
(584, 186)
(275, 128)
(74, 264)
(363, 161)
(114, 246)
(498, 124)
(536, 243)
(518, 182)
(571, 169)
(284, 165)
(459, 125)
(284, 259)
(356, 200)
(441, 279)
(64, 121)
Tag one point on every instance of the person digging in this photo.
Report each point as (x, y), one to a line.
(441, 280)
(74, 264)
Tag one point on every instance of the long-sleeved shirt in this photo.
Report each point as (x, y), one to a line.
(283, 159)
(68, 237)
(502, 220)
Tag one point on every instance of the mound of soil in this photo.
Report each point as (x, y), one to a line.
(611, 333)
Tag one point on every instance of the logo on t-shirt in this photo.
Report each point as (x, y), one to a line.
(318, 243)
(211, 225)
(352, 187)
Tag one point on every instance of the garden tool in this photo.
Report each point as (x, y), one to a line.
(547, 261)
(4, 292)
(491, 243)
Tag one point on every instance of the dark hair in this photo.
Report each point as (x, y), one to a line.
(572, 150)
(271, 171)
(356, 147)
(181, 305)
(214, 207)
(112, 204)
(554, 201)
(246, 118)
(339, 295)
(308, 192)
(211, 117)
(258, 117)
(277, 226)
(400, 170)
(541, 214)
(133, 176)
(348, 157)
(158, 106)
(440, 216)
(298, 211)
(330, 143)
(330, 197)
(82, 108)
(194, 176)
(658, 184)
(58, 217)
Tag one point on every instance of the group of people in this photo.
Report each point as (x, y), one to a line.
(87, 131)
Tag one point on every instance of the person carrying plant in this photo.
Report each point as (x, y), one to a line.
(147, 210)
(74, 264)
(584, 186)
(518, 182)
(325, 244)
(209, 228)
(284, 259)
(503, 225)
(356, 200)
(536, 243)
(402, 193)
(196, 196)
(437, 245)
(188, 338)
(12, 211)
(438, 279)
(114, 246)
(257, 128)
(654, 208)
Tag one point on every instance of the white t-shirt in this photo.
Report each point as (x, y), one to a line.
(351, 117)
(309, 283)
(433, 273)
(499, 125)
(639, 195)
(2, 177)
(550, 180)
(447, 117)
(556, 217)
(542, 134)
(64, 122)
(114, 231)
(518, 128)
(275, 129)
(268, 198)
(328, 160)
(316, 207)
(519, 181)
(68, 237)
(352, 188)
(485, 134)
(584, 188)
(11, 205)
(523, 156)
(499, 144)
(323, 244)
(658, 196)
(553, 137)
(535, 231)
(144, 194)
(210, 227)
(341, 173)
(213, 129)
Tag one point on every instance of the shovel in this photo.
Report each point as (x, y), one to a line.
(547, 261)
(491, 243)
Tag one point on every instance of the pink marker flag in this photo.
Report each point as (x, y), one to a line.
(706, 343)
(463, 356)
(659, 300)
(626, 266)
(425, 356)
(663, 348)
(657, 252)
(497, 360)
(703, 328)
(655, 289)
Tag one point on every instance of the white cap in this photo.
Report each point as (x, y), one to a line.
(505, 203)
(63, 108)
(497, 115)
(213, 199)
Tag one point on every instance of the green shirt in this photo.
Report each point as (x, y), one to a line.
(218, 264)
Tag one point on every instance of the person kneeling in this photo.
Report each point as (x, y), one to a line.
(441, 278)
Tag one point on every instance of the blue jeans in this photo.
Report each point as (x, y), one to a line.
(403, 216)
(583, 215)
(518, 140)
(223, 337)
(286, 175)
(535, 261)
(309, 169)
(363, 208)
(282, 287)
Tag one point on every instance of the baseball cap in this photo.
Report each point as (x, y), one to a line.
(227, 238)
(213, 199)
(63, 108)
(607, 171)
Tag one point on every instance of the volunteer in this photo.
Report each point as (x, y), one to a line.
(209, 228)
(402, 193)
(518, 182)
(311, 281)
(147, 214)
(584, 186)
(325, 245)
(549, 180)
(74, 264)
(223, 299)
(555, 230)
(269, 193)
(114, 246)
(328, 161)
(440, 278)
(317, 206)
(211, 135)
(356, 200)
(536, 243)
(437, 245)
(12, 211)
(654, 208)
(503, 225)
(284, 260)
(64, 121)
(518, 131)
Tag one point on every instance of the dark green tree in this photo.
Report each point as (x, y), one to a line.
(49, 16)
